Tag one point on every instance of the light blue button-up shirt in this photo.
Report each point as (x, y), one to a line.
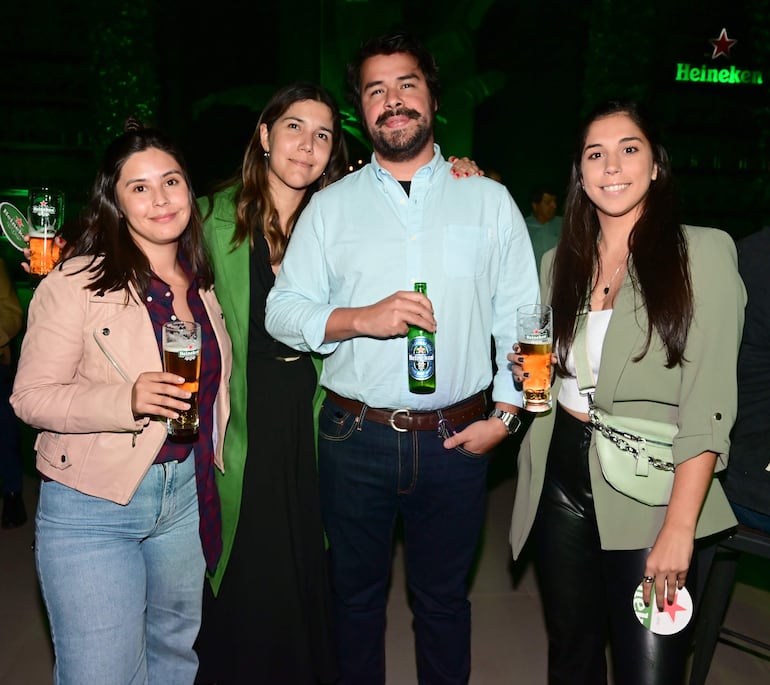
(363, 238)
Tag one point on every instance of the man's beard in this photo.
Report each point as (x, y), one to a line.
(401, 145)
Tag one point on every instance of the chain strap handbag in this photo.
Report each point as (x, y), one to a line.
(635, 454)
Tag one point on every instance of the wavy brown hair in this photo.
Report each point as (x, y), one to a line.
(657, 247)
(255, 213)
(103, 232)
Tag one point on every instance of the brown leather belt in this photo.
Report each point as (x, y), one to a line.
(404, 420)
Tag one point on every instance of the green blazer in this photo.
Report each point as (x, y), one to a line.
(700, 396)
(232, 287)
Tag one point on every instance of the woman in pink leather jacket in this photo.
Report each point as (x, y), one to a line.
(127, 521)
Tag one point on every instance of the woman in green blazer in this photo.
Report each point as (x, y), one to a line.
(664, 305)
(266, 615)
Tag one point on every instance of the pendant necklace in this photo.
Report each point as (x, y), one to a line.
(606, 289)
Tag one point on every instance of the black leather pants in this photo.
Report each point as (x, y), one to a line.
(586, 591)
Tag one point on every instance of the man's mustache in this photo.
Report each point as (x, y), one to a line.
(403, 112)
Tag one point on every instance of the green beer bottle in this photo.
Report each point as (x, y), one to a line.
(421, 355)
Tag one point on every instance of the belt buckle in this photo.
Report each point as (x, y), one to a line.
(392, 420)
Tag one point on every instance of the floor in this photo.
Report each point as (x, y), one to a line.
(508, 635)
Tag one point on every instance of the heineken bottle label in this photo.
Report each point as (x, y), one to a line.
(421, 358)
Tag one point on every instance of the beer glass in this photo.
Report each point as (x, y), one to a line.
(182, 356)
(534, 334)
(45, 210)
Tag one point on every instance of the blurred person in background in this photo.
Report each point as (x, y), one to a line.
(543, 224)
(11, 472)
(747, 479)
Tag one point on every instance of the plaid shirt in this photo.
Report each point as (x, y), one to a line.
(160, 304)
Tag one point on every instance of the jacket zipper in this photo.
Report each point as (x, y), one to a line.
(122, 375)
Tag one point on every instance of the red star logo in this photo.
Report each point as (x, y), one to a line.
(671, 609)
(722, 44)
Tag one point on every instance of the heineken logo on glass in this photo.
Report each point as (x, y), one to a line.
(421, 355)
(189, 353)
(44, 211)
(538, 335)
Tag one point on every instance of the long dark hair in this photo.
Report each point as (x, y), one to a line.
(103, 233)
(657, 247)
(255, 213)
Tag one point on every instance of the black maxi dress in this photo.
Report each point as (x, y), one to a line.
(271, 621)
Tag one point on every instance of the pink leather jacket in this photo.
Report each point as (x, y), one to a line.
(80, 357)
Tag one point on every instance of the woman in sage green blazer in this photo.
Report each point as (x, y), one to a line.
(665, 306)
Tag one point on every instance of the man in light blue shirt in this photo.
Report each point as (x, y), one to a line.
(345, 289)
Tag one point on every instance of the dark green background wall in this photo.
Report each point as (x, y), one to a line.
(517, 77)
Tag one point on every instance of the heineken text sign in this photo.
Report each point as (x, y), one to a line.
(727, 75)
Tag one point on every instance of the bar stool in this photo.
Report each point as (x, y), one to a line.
(716, 595)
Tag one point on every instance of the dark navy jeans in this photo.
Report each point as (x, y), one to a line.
(369, 474)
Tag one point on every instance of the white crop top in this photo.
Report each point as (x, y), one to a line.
(596, 330)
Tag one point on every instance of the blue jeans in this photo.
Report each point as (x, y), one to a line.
(123, 585)
(369, 473)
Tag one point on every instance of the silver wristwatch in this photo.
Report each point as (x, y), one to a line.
(512, 421)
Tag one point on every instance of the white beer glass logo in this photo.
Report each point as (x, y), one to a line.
(189, 353)
(45, 212)
(538, 335)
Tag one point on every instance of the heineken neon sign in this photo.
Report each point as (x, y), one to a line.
(704, 74)
(714, 74)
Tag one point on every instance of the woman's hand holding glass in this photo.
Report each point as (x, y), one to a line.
(517, 366)
(59, 244)
(158, 393)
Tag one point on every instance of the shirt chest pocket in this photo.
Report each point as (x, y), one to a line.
(465, 249)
